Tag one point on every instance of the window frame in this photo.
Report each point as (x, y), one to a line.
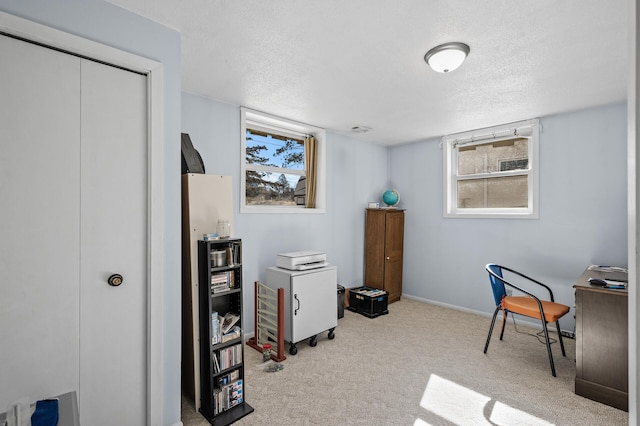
(528, 129)
(267, 122)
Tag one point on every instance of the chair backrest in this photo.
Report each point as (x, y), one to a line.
(496, 285)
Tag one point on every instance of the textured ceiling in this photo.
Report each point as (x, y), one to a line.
(338, 64)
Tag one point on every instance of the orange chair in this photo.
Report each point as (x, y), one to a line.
(529, 306)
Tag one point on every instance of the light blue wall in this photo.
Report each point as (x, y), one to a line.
(582, 208)
(356, 174)
(582, 220)
(102, 22)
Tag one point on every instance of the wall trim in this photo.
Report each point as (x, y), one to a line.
(519, 321)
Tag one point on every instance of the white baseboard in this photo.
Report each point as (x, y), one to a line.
(518, 320)
(446, 305)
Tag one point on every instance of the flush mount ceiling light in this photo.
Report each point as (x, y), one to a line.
(447, 57)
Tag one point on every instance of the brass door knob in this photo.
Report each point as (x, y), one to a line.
(115, 280)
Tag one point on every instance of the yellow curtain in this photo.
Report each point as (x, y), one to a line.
(311, 159)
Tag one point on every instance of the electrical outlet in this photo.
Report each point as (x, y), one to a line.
(509, 292)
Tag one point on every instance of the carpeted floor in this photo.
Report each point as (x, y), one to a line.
(419, 365)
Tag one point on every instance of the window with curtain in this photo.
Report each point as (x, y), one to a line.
(492, 172)
(282, 165)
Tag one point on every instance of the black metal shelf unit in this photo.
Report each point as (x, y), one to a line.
(223, 397)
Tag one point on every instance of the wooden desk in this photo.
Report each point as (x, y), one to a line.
(601, 341)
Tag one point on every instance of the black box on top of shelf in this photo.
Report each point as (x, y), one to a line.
(368, 301)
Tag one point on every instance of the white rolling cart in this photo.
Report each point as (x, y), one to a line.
(309, 302)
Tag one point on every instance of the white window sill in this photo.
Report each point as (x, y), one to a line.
(280, 210)
(486, 214)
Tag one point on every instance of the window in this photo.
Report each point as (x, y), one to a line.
(492, 172)
(278, 165)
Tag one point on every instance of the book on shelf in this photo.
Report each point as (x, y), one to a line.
(216, 364)
(223, 380)
(229, 320)
(229, 357)
(228, 396)
(228, 378)
(215, 328)
(234, 375)
(221, 277)
(219, 288)
(217, 335)
(223, 281)
(230, 261)
(235, 393)
(235, 248)
(234, 333)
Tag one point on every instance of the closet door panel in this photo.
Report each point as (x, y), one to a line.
(39, 216)
(113, 240)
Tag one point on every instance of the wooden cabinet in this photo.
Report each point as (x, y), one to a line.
(222, 378)
(601, 342)
(383, 248)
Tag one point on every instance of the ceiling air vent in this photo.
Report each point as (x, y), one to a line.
(360, 129)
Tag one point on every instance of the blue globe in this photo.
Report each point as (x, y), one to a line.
(391, 197)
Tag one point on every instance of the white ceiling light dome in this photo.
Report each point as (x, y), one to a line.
(447, 57)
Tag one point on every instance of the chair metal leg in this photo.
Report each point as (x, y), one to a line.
(560, 338)
(504, 321)
(493, 321)
(546, 338)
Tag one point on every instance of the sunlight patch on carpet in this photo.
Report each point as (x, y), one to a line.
(463, 406)
(502, 414)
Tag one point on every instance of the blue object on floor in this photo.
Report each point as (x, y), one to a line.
(46, 413)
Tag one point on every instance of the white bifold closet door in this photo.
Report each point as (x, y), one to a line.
(73, 197)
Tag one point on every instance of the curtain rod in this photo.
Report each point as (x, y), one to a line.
(266, 127)
(515, 132)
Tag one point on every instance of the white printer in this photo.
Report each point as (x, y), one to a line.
(301, 260)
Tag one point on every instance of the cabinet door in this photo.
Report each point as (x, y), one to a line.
(601, 326)
(394, 241)
(313, 303)
(374, 248)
